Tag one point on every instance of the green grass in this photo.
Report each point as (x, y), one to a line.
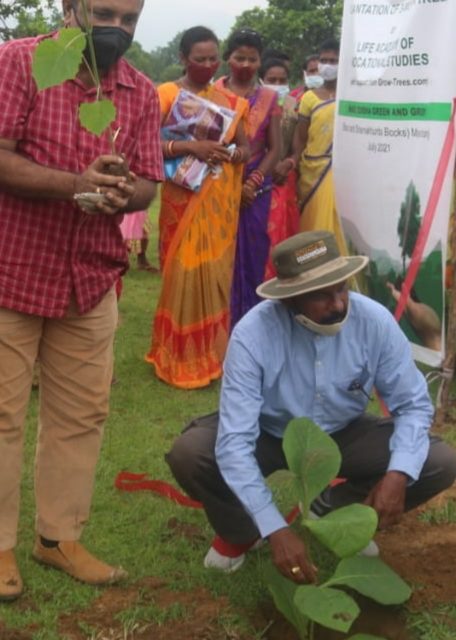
(446, 514)
(439, 624)
(132, 529)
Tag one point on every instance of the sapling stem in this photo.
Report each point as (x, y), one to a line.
(311, 630)
(92, 66)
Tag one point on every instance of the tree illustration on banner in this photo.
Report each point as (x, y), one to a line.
(409, 223)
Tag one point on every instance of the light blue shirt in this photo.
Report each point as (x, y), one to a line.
(276, 369)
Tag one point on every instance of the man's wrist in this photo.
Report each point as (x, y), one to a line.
(400, 476)
(276, 533)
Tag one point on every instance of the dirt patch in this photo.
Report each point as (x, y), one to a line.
(424, 555)
(14, 634)
(192, 615)
(180, 529)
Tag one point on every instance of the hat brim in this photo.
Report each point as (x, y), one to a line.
(278, 289)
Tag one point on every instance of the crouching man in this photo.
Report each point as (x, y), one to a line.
(313, 349)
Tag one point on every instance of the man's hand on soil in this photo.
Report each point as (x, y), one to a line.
(387, 497)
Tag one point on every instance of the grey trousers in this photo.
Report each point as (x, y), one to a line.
(364, 445)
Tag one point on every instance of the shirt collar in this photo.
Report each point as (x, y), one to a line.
(120, 73)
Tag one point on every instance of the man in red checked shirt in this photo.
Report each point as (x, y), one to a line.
(58, 268)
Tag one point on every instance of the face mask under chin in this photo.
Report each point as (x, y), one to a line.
(322, 329)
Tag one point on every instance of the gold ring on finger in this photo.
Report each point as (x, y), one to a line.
(295, 570)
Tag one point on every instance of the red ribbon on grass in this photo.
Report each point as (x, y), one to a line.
(126, 481)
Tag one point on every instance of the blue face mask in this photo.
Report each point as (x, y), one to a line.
(313, 82)
(282, 90)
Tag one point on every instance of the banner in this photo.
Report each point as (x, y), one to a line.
(394, 156)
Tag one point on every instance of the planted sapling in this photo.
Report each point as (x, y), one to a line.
(314, 461)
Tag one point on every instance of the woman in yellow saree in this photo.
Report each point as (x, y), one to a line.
(313, 145)
(198, 233)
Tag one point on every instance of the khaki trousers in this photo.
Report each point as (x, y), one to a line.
(76, 361)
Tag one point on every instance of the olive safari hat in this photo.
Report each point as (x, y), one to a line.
(306, 262)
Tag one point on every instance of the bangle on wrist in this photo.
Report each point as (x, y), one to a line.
(257, 178)
(249, 183)
(168, 150)
(237, 156)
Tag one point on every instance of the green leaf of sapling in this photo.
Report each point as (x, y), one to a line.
(97, 116)
(345, 531)
(372, 578)
(58, 59)
(313, 457)
(331, 608)
(283, 591)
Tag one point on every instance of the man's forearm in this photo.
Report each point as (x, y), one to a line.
(145, 192)
(27, 179)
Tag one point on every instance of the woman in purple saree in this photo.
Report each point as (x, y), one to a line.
(263, 129)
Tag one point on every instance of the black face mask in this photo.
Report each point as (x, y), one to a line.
(110, 44)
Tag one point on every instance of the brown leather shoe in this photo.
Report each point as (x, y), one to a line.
(72, 558)
(10, 578)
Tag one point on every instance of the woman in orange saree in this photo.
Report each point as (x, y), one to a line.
(198, 233)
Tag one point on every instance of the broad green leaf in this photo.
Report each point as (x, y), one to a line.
(97, 116)
(283, 591)
(329, 607)
(365, 636)
(373, 578)
(284, 483)
(58, 60)
(313, 457)
(346, 530)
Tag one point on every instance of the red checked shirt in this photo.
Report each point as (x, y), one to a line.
(49, 249)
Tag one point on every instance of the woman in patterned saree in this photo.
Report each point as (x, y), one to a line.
(198, 232)
(312, 149)
(243, 54)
